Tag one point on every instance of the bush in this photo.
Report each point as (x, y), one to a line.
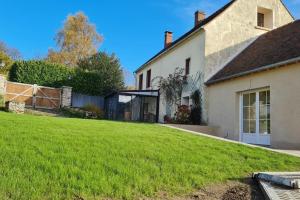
(73, 112)
(182, 116)
(87, 112)
(91, 83)
(41, 73)
(93, 111)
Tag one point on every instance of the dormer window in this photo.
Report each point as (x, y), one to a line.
(265, 18)
(260, 20)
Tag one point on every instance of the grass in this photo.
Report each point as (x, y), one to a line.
(60, 158)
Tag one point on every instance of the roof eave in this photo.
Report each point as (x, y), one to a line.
(264, 68)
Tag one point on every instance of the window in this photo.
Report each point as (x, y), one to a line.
(187, 66)
(265, 18)
(256, 113)
(260, 20)
(141, 82)
(148, 78)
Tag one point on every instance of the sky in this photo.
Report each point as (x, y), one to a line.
(133, 29)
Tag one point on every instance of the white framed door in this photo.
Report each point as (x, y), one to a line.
(255, 120)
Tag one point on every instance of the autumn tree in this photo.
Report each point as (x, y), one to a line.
(13, 53)
(5, 63)
(77, 40)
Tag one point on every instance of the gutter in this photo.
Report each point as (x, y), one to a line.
(267, 67)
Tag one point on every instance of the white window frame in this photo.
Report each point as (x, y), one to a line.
(257, 132)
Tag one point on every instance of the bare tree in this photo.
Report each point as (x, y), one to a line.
(171, 87)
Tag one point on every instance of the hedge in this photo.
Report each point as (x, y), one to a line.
(57, 75)
(40, 73)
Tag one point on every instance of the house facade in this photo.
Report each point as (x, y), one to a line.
(211, 44)
(247, 55)
(255, 97)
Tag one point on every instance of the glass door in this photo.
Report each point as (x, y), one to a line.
(255, 117)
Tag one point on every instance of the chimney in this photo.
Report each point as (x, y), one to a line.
(199, 16)
(168, 38)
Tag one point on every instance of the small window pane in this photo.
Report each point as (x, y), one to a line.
(246, 99)
(263, 98)
(252, 112)
(252, 126)
(246, 126)
(268, 97)
(246, 113)
(263, 127)
(268, 112)
(269, 126)
(252, 99)
(263, 112)
(260, 20)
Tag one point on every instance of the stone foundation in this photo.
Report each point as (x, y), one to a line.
(15, 107)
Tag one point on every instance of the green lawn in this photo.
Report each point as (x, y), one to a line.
(59, 158)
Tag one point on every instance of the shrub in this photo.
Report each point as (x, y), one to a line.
(93, 111)
(182, 116)
(167, 119)
(87, 112)
(41, 73)
(91, 83)
(73, 112)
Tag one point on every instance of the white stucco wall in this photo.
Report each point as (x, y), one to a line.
(210, 49)
(235, 29)
(192, 47)
(224, 104)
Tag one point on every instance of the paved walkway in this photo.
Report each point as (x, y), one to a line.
(289, 152)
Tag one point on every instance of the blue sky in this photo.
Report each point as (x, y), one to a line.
(133, 29)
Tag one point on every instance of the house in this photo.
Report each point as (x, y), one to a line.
(211, 44)
(226, 50)
(255, 97)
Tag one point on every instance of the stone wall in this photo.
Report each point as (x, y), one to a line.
(15, 107)
(66, 97)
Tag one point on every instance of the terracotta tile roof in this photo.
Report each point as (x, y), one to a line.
(272, 49)
(204, 22)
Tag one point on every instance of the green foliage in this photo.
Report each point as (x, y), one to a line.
(98, 75)
(60, 158)
(41, 73)
(5, 63)
(171, 87)
(73, 112)
(105, 69)
(89, 111)
(94, 111)
(93, 82)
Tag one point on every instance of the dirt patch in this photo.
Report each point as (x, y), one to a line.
(232, 190)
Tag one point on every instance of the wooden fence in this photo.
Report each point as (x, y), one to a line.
(34, 96)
